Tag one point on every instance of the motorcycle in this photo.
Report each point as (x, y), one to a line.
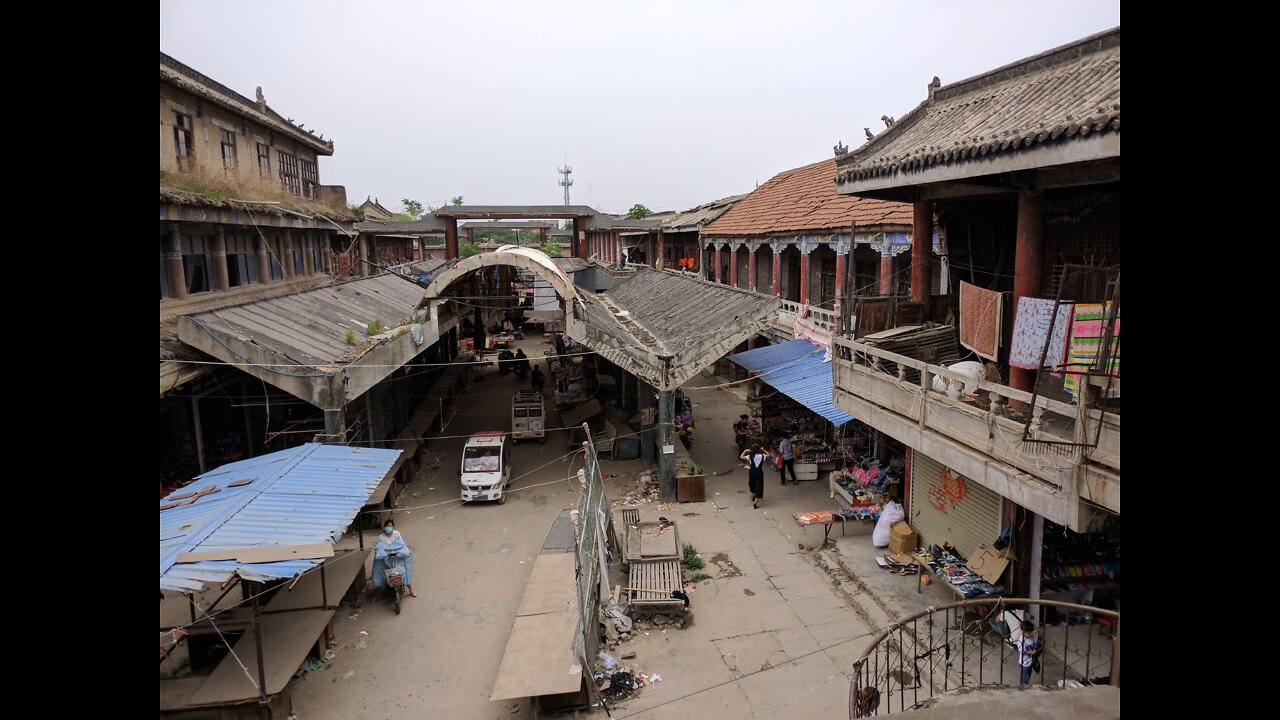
(395, 577)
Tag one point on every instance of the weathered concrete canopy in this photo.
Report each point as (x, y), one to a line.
(299, 342)
(528, 259)
(665, 327)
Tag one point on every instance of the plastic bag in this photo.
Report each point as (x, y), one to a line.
(891, 514)
(610, 662)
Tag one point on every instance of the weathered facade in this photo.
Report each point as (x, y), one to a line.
(1019, 170)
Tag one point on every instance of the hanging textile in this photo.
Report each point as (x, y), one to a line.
(1031, 331)
(1086, 336)
(980, 313)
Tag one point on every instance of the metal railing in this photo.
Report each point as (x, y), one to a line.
(965, 645)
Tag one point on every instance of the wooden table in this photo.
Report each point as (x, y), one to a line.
(824, 518)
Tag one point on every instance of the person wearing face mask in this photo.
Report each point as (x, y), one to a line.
(389, 541)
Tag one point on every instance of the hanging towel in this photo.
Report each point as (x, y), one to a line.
(1031, 331)
(980, 313)
(1086, 336)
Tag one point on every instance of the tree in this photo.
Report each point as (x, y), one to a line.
(638, 212)
(466, 249)
(456, 200)
(551, 247)
(412, 208)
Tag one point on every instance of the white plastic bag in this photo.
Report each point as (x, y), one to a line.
(891, 514)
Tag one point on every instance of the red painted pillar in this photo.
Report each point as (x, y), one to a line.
(752, 265)
(804, 273)
(719, 270)
(450, 238)
(886, 273)
(221, 278)
(776, 290)
(733, 269)
(1026, 268)
(921, 245)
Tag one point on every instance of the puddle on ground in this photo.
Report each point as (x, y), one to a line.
(726, 567)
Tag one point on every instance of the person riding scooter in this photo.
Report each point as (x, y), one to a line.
(391, 542)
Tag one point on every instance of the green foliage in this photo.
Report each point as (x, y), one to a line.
(403, 217)
(355, 210)
(412, 208)
(215, 195)
(638, 212)
(551, 247)
(699, 577)
(351, 336)
(691, 560)
(457, 200)
(467, 248)
(373, 328)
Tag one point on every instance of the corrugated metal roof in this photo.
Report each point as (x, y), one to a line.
(310, 327)
(303, 495)
(796, 369)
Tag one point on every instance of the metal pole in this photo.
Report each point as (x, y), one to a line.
(256, 588)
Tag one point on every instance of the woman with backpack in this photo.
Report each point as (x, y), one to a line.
(755, 459)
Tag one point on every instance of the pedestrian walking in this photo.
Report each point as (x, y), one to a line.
(740, 433)
(755, 460)
(788, 460)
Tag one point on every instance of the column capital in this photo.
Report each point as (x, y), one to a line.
(777, 245)
(806, 244)
(841, 246)
(734, 245)
(885, 244)
(753, 245)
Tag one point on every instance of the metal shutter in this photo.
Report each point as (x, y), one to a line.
(969, 514)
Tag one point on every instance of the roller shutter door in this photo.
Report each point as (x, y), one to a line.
(947, 507)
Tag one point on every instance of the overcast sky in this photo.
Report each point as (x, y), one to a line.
(670, 104)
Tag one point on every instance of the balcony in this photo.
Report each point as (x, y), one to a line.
(814, 317)
(970, 428)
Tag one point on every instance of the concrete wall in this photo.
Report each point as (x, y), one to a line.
(208, 120)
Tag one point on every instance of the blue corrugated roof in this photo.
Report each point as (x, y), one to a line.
(796, 369)
(299, 496)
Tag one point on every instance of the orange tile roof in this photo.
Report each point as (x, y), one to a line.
(804, 200)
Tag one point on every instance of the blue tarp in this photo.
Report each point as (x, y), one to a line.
(796, 369)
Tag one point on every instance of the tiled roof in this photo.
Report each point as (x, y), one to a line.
(1057, 96)
(177, 196)
(428, 224)
(805, 200)
(696, 218)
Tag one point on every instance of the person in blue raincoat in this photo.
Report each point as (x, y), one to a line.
(391, 540)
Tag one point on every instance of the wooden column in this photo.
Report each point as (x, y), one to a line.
(221, 280)
(921, 244)
(264, 258)
(805, 248)
(719, 269)
(842, 267)
(733, 263)
(174, 271)
(777, 268)
(1027, 259)
(752, 265)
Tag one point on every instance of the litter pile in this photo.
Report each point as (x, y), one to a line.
(618, 681)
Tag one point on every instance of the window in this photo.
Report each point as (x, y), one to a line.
(229, 149)
(264, 160)
(289, 172)
(310, 180)
(182, 140)
(195, 262)
(242, 261)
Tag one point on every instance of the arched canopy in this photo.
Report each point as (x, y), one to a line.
(525, 258)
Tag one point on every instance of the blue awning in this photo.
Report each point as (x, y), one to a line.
(796, 369)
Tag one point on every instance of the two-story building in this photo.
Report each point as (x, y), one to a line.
(1018, 170)
(243, 217)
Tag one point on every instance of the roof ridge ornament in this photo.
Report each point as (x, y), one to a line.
(262, 100)
(934, 85)
(840, 149)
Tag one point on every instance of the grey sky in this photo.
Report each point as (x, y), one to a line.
(671, 104)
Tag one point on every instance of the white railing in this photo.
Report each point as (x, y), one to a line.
(905, 387)
(825, 319)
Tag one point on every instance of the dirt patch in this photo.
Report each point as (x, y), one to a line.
(691, 514)
(748, 592)
(725, 566)
(538, 500)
